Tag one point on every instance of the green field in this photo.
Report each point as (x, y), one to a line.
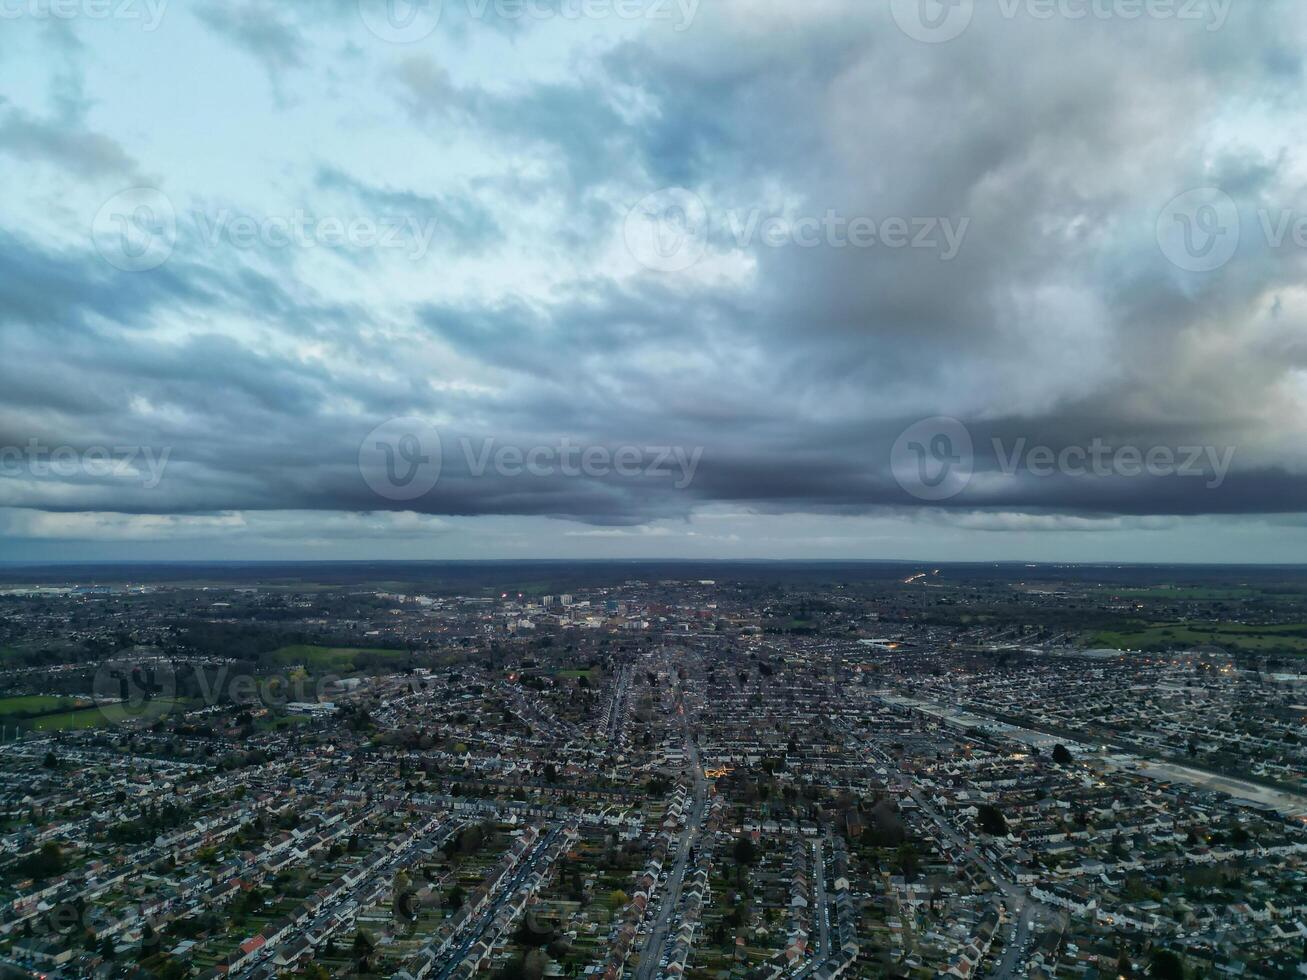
(269, 723)
(1186, 593)
(333, 659)
(32, 705)
(108, 716)
(589, 675)
(1287, 637)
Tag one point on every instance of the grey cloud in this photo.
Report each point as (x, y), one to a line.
(262, 30)
(458, 219)
(62, 142)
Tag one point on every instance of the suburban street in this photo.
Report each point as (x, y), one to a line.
(455, 954)
(667, 909)
(354, 897)
(822, 910)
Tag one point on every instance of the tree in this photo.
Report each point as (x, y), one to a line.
(533, 965)
(907, 859)
(363, 947)
(45, 863)
(456, 896)
(530, 936)
(1061, 755)
(1166, 965)
(745, 851)
(991, 821)
(149, 942)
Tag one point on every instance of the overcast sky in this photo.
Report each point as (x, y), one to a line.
(1021, 279)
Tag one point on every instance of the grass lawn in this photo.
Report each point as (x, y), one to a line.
(286, 721)
(1233, 636)
(1168, 592)
(107, 716)
(31, 705)
(590, 674)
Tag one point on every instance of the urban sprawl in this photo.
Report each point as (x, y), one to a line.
(918, 775)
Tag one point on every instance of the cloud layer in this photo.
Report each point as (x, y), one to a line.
(769, 237)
